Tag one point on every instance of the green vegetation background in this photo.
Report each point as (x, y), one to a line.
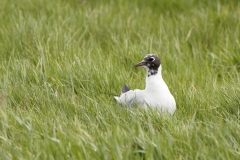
(61, 60)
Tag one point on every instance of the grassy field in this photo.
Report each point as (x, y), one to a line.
(62, 60)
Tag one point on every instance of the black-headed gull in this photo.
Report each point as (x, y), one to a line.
(156, 93)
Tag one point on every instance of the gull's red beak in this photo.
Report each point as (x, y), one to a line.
(143, 63)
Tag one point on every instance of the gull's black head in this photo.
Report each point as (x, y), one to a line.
(151, 61)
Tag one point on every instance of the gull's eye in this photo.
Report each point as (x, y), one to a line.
(151, 59)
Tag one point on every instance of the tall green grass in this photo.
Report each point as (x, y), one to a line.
(61, 62)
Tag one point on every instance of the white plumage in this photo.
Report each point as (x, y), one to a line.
(156, 93)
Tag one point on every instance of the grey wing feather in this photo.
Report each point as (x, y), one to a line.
(124, 89)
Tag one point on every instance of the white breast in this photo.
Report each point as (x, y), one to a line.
(156, 95)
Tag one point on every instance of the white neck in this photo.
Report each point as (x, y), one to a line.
(154, 82)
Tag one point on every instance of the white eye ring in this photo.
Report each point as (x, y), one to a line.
(152, 59)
